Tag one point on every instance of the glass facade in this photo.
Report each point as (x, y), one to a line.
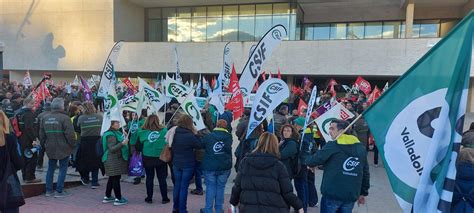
(248, 22)
(376, 30)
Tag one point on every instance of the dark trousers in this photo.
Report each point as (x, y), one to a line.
(161, 173)
(41, 157)
(28, 171)
(10, 210)
(113, 183)
(301, 186)
(312, 192)
(94, 175)
(376, 154)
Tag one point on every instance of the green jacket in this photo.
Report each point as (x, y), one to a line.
(152, 141)
(346, 171)
(133, 126)
(119, 137)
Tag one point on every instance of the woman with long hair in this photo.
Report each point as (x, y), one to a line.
(262, 183)
(151, 138)
(289, 149)
(115, 160)
(88, 161)
(184, 160)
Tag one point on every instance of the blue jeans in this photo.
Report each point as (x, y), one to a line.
(198, 176)
(333, 206)
(301, 186)
(215, 185)
(182, 176)
(62, 174)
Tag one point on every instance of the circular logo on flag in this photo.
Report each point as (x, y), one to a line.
(177, 90)
(273, 88)
(411, 133)
(192, 111)
(276, 34)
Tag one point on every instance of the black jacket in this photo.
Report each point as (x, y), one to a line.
(27, 123)
(263, 185)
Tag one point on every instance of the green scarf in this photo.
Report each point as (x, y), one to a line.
(119, 137)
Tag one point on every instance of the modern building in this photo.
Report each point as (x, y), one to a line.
(378, 39)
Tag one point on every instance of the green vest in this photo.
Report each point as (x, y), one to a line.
(153, 141)
(118, 135)
(133, 126)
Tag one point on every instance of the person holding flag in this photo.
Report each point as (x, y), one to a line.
(346, 171)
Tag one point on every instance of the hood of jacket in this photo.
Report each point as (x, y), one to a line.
(261, 161)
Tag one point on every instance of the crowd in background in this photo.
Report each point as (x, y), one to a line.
(271, 165)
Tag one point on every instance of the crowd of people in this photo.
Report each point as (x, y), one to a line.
(271, 165)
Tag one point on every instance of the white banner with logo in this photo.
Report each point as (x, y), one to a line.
(224, 75)
(174, 89)
(155, 98)
(269, 95)
(261, 53)
(108, 74)
(191, 108)
(112, 110)
(129, 103)
(336, 112)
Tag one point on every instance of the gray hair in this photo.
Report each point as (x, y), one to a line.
(57, 104)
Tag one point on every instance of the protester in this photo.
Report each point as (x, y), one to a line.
(463, 196)
(11, 163)
(115, 159)
(151, 138)
(87, 159)
(262, 183)
(133, 125)
(41, 116)
(301, 178)
(216, 165)
(341, 188)
(289, 150)
(247, 145)
(26, 121)
(184, 160)
(58, 133)
(280, 119)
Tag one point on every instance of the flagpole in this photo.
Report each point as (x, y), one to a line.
(349, 126)
(165, 96)
(180, 106)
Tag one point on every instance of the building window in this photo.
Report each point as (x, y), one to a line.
(247, 22)
(377, 30)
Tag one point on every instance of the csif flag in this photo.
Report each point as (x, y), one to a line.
(269, 95)
(107, 80)
(264, 49)
(155, 98)
(311, 102)
(335, 112)
(112, 110)
(236, 103)
(224, 75)
(177, 90)
(419, 134)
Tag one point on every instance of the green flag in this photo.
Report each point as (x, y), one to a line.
(417, 123)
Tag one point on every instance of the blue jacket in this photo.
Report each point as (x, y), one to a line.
(218, 146)
(182, 149)
(463, 196)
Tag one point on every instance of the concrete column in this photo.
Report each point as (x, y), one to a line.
(410, 12)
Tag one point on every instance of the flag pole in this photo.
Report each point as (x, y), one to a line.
(350, 125)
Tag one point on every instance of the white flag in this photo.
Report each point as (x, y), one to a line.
(191, 108)
(174, 89)
(263, 51)
(269, 95)
(27, 82)
(155, 98)
(336, 112)
(309, 110)
(224, 75)
(108, 74)
(178, 72)
(111, 110)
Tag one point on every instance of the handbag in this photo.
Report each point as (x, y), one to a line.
(165, 154)
(11, 195)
